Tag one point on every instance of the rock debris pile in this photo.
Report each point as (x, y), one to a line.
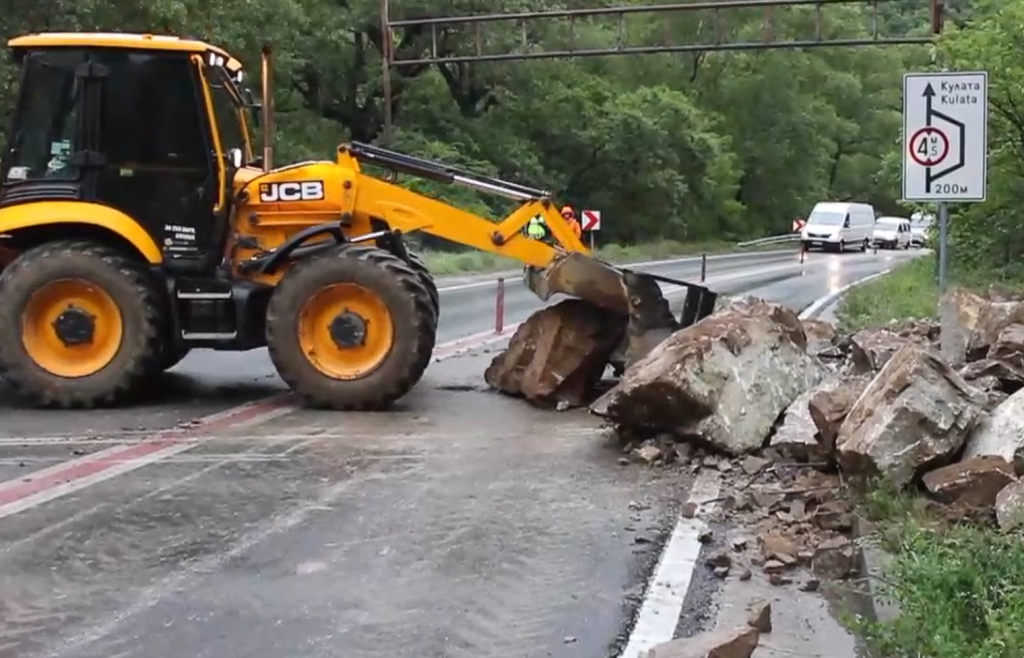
(904, 402)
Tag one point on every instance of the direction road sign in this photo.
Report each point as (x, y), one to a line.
(798, 225)
(945, 133)
(591, 220)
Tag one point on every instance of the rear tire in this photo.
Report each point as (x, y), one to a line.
(118, 294)
(351, 292)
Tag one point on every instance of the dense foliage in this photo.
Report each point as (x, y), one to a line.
(990, 235)
(688, 146)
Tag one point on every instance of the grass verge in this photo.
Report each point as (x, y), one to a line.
(443, 263)
(959, 585)
(911, 291)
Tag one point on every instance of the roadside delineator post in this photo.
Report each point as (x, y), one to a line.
(499, 307)
(703, 267)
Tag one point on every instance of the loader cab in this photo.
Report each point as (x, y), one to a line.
(152, 126)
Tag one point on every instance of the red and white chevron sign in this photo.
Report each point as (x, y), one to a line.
(591, 220)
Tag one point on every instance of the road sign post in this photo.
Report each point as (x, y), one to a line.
(945, 133)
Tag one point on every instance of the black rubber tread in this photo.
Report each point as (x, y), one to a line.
(132, 287)
(428, 281)
(411, 307)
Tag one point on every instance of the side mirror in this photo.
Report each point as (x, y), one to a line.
(236, 157)
(255, 107)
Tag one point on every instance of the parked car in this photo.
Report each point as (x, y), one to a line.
(839, 226)
(919, 227)
(892, 233)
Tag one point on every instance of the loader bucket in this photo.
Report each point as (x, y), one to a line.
(634, 294)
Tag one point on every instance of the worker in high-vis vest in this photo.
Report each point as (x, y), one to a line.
(536, 229)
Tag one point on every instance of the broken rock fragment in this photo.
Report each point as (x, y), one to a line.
(976, 481)
(1000, 433)
(737, 642)
(914, 414)
(820, 335)
(726, 378)
(558, 355)
(980, 321)
(796, 435)
(834, 559)
(1008, 347)
(871, 349)
(1010, 507)
(829, 405)
(1008, 378)
(759, 616)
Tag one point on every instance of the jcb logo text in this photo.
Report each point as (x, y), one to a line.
(307, 190)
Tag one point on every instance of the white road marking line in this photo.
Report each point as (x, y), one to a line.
(820, 303)
(666, 591)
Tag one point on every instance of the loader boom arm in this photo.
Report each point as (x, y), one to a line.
(409, 211)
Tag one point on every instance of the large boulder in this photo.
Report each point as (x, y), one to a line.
(914, 415)
(558, 354)
(726, 378)
(979, 320)
(1000, 433)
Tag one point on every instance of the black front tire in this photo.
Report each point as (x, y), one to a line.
(409, 304)
(126, 281)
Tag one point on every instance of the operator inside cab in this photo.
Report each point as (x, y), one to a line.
(537, 229)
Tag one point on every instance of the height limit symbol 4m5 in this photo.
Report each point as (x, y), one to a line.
(945, 128)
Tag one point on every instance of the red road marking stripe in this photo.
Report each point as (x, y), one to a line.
(76, 469)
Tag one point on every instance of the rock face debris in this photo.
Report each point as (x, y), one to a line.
(558, 355)
(738, 642)
(915, 414)
(753, 379)
(725, 379)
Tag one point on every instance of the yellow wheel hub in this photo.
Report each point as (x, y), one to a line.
(71, 328)
(345, 331)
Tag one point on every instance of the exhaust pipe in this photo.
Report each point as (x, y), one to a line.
(266, 64)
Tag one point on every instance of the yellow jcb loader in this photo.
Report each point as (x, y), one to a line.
(137, 223)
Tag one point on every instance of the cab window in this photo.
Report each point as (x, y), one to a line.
(152, 95)
(226, 112)
(46, 123)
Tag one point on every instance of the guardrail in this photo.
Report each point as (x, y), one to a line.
(773, 239)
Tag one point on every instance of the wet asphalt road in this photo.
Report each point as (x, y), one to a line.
(461, 524)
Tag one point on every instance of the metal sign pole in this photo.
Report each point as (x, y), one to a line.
(943, 244)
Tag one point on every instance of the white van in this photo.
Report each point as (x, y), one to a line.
(892, 233)
(839, 226)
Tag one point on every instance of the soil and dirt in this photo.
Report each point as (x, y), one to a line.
(799, 420)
